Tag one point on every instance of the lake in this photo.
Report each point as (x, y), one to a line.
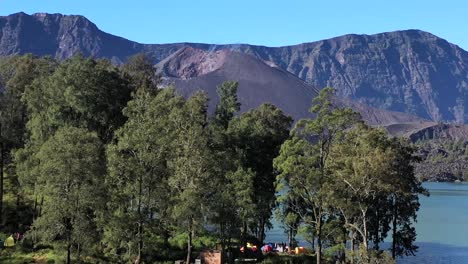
(442, 226)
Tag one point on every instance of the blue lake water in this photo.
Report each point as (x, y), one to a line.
(442, 226)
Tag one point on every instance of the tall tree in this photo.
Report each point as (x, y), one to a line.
(362, 174)
(138, 175)
(80, 92)
(304, 160)
(139, 69)
(71, 173)
(404, 199)
(228, 104)
(258, 135)
(17, 73)
(231, 203)
(192, 167)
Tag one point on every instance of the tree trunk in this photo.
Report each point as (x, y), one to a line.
(261, 231)
(69, 253)
(376, 239)
(394, 230)
(313, 242)
(40, 206)
(352, 248)
(2, 161)
(223, 238)
(365, 233)
(35, 205)
(18, 199)
(189, 242)
(319, 240)
(140, 221)
(78, 251)
(343, 253)
(244, 237)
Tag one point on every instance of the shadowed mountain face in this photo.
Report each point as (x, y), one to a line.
(407, 71)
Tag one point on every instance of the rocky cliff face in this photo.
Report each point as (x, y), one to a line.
(408, 71)
(64, 36)
(59, 36)
(189, 62)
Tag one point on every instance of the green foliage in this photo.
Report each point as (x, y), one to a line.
(17, 74)
(304, 167)
(258, 135)
(191, 167)
(346, 181)
(82, 93)
(228, 105)
(138, 175)
(442, 159)
(71, 176)
(139, 69)
(364, 256)
(203, 240)
(107, 167)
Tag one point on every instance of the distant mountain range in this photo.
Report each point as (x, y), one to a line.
(413, 72)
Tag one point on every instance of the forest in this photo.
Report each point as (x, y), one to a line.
(99, 164)
(442, 159)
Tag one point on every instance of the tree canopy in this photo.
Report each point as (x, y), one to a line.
(104, 164)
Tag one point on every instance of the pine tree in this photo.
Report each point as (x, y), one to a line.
(192, 167)
(71, 176)
(138, 178)
(304, 160)
(258, 135)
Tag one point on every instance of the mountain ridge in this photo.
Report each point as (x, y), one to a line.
(409, 71)
(258, 83)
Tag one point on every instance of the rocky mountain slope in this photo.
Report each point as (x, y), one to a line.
(190, 70)
(193, 69)
(407, 71)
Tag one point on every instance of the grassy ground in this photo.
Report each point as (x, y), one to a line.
(46, 256)
(14, 256)
(289, 259)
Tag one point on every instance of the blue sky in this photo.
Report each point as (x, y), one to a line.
(271, 23)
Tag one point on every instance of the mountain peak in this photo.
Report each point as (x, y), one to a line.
(40, 14)
(16, 14)
(189, 62)
(61, 36)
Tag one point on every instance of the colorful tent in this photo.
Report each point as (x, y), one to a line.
(250, 246)
(300, 250)
(9, 242)
(267, 248)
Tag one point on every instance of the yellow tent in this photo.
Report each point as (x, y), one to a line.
(300, 250)
(9, 242)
